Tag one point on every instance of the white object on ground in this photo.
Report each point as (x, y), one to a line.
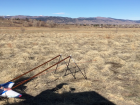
(9, 93)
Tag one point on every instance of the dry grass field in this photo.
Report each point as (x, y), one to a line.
(110, 57)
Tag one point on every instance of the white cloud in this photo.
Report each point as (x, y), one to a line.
(7, 15)
(135, 18)
(60, 13)
(40, 15)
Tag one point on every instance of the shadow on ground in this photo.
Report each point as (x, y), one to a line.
(21, 87)
(49, 97)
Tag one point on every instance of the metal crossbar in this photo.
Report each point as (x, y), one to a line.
(39, 73)
(35, 68)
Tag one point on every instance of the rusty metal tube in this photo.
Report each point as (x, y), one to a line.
(34, 68)
(39, 73)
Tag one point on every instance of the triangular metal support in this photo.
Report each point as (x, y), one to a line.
(84, 74)
(57, 64)
(68, 69)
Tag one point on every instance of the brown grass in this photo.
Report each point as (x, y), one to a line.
(113, 71)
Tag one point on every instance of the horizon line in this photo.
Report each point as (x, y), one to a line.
(64, 16)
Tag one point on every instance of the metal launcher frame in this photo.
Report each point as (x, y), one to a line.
(60, 56)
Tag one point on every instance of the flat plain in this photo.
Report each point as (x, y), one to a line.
(109, 56)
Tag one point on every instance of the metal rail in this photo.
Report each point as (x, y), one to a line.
(34, 68)
(40, 72)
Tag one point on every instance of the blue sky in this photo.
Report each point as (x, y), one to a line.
(120, 9)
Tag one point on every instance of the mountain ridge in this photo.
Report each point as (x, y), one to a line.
(79, 20)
